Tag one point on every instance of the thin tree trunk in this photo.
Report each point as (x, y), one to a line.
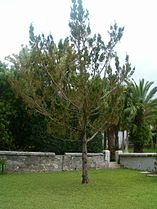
(152, 143)
(116, 138)
(85, 178)
(111, 144)
(123, 140)
(105, 141)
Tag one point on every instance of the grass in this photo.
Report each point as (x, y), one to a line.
(108, 189)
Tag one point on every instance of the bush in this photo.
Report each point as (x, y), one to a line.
(140, 135)
(60, 146)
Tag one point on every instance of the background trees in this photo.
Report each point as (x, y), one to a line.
(143, 106)
(7, 110)
(17, 125)
(23, 129)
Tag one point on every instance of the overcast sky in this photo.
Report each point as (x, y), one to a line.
(52, 16)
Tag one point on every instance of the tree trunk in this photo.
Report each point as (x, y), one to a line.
(152, 143)
(116, 138)
(123, 140)
(105, 141)
(85, 179)
(111, 143)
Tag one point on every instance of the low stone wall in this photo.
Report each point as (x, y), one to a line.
(139, 161)
(47, 161)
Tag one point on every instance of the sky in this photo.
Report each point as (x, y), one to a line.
(52, 16)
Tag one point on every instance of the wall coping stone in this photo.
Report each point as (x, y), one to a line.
(138, 154)
(48, 161)
(16, 153)
(80, 154)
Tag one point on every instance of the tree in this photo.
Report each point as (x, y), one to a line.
(126, 116)
(73, 79)
(117, 101)
(7, 110)
(17, 125)
(143, 106)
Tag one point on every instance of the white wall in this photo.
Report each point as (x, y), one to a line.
(139, 161)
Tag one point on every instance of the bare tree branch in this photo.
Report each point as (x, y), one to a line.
(61, 91)
(92, 137)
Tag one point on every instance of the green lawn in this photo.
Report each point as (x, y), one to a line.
(118, 189)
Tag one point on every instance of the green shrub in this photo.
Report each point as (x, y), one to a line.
(140, 135)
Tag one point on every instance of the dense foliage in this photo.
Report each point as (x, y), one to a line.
(23, 129)
(7, 110)
(142, 106)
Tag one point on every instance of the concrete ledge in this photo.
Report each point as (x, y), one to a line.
(16, 153)
(139, 161)
(138, 154)
(48, 161)
(80, 154)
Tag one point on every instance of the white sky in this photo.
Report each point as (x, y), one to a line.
(52, 16)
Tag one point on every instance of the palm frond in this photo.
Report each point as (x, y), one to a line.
(151, 94)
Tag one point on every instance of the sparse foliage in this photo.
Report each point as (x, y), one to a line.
(72, 80)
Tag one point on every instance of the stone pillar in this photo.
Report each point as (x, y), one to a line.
(106, 155)
(117, 155)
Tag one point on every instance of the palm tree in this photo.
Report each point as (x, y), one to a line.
(126, 117)
(143, 109)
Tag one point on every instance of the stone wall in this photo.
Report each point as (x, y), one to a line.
(139, 161)
(47, 161)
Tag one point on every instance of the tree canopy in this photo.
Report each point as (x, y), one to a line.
(143, 109)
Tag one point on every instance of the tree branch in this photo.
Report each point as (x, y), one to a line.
(92, 137)
(62, 93)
